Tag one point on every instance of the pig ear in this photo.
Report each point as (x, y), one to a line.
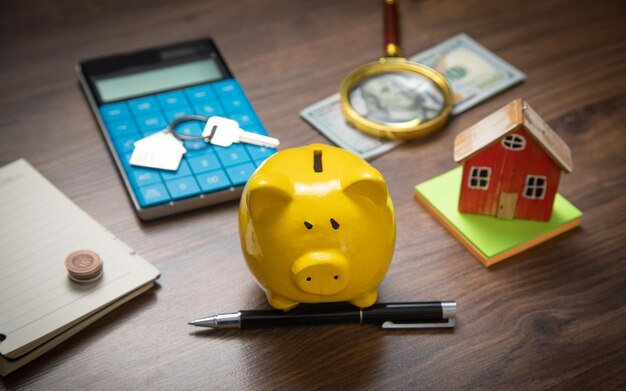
(369, 185)
(268, 191)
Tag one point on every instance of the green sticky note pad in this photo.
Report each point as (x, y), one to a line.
(491, 239)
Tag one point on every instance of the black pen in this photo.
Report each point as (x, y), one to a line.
(413, 315)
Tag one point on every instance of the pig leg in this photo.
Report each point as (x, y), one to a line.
(281, 303)
(366, 300)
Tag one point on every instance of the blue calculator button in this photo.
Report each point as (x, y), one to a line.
(235, 102)
(178, 112)
(144, 176)
(126, 144)
(183, 170)
(205, 162)
(190, 128)
(196, 147)
(152, 195)
(213, 181)
(150, 123)
(172, 99)
(209, 108)
(244, 118)
(228, 86)
(183, 187)
(125, 159)
(200, 93)
(259, 152)
(114, 111)
(239, 174)
(259, 162)
(122, 127)
(143, 105)
(233, 155)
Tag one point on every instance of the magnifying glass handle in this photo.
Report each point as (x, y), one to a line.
(392, 34)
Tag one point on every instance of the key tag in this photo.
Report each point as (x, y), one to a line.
(160, 150)
(163, 150)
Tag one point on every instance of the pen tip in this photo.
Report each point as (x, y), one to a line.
(191, 323)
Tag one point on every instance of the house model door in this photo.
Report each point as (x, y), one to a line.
(506, 205)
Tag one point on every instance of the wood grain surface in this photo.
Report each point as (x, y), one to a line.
(550, 318)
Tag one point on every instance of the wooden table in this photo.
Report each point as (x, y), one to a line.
(552, 317)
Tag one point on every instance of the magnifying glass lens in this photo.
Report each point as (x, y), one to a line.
(397, 97)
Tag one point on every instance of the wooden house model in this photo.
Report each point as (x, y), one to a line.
(512, 162)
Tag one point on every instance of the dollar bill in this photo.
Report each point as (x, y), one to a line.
(474, 73)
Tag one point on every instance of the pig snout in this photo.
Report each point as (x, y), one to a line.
(321, 273)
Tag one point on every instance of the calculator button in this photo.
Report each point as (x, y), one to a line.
(195, 147)
(143, 105)
(122, 127)
(144, 176)
(183, 187)
(205, 162)
(259, 162)
(152, 195)
(209, 108)
(229, 86)
(199, 94)
(235, 102)
(259, 152)
(244, 118)
(125, 144)
(239, 174)
(189, 128)
(183, 170)
(178, 112)
(150, 123)
(114, 111)
(213, 181)
(232, 155)
(170, 100)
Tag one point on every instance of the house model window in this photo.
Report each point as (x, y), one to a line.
(535, 187)
(514, 142)
(479, 178)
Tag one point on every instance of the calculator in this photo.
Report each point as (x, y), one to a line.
(134, 95)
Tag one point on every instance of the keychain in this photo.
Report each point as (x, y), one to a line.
(164, 150)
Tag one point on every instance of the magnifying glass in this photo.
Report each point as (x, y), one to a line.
(393, 97)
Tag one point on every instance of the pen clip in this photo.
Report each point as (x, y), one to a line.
(448, 324)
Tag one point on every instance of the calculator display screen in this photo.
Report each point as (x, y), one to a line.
(142, 83)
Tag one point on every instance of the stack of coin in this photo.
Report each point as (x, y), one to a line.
(84, 266)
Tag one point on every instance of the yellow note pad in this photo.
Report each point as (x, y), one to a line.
(39, 305)
(490, 239)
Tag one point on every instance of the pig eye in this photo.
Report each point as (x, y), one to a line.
(334, 223)
(308, 225)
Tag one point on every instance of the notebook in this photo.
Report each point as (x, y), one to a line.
(40, 306)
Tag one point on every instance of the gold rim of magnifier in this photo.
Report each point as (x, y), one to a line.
(402, 130)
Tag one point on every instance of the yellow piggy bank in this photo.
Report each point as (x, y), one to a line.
(317, 224)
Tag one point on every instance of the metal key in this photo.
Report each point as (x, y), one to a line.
(224, 132)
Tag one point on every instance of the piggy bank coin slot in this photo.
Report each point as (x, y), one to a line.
(317, 160)
(334, 224)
